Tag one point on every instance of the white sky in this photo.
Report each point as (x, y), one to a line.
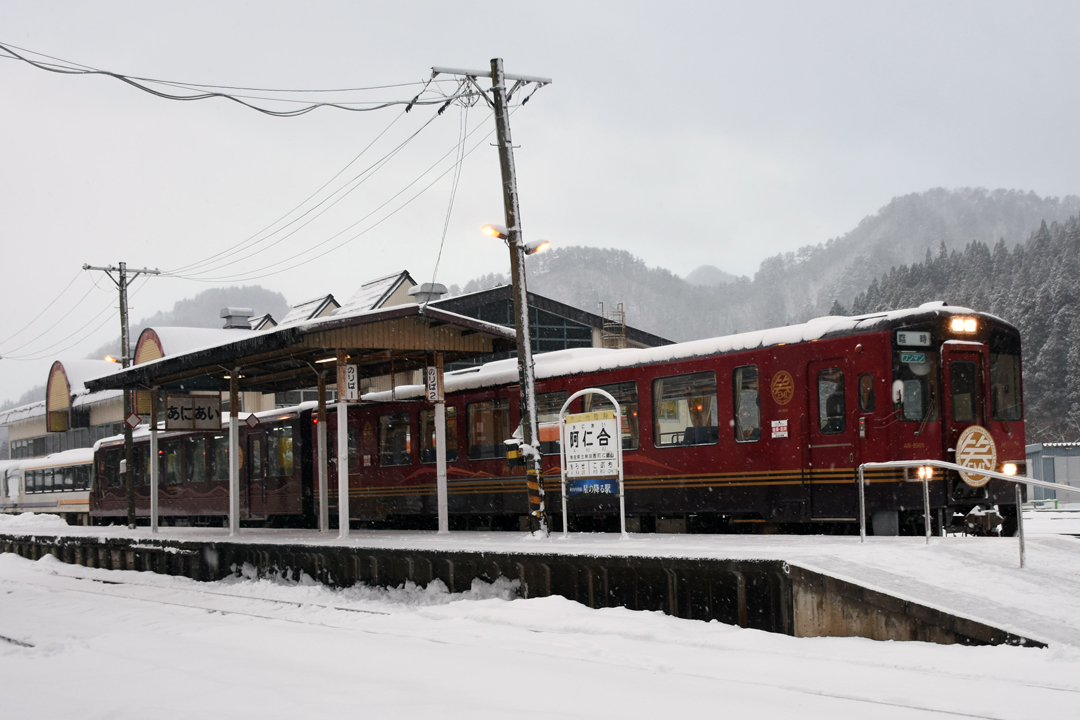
(686, 133)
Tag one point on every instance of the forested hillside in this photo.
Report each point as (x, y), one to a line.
(1035, 286)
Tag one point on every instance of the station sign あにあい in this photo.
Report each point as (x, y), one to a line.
(193, 412)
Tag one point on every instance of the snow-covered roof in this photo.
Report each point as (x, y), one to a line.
(23, 412)
(67, 457)
(178, 340)
(79, 371)
(308, 310)
(374, 293)
(576, 361)
(262, 322)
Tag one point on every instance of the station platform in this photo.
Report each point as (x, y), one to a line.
(956, 589)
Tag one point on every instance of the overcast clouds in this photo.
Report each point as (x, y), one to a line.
(686, 133)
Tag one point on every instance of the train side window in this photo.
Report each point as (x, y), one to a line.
(747, 404)
(866, 392)
(832, 416)
(625, 393)
(170, 462)
(218, 453)
(489, 426)
(111, 469)
(195, 452)
(82, 477)
(31, 480)
(256, 458)
(354, 448)
(279, 451)
(69, 478)
(427, 435)
(684, 410)
(395, 440)
(966, 395)
(548, 406)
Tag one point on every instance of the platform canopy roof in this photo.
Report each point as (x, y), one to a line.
(397, 339)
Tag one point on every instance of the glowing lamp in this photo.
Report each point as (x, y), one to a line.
(1009, 468)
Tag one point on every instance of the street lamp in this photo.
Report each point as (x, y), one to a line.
(530, 434)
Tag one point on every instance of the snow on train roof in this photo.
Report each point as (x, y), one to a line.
(78, 456)
(143, 430)
(586, 360)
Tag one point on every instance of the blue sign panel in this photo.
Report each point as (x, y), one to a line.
(592, 487)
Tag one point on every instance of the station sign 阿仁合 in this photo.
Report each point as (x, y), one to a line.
(592, 451)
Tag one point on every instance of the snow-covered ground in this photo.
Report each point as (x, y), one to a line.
(80, 642)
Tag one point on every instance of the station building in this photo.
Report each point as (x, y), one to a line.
(71, 417)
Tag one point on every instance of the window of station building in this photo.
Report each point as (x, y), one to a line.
(279, 451)
(832, 413)
(914, 390)
(684, 410)
(746, 402)
(169, 453)
(427, 435)
(219, 458)
(1006, 402)
(395, 440)
(966, 392)
(489, 426)
(196, 459)
(626, 395)
(548, 406)
(866, 392)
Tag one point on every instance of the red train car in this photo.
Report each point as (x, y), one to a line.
(762, 430)
(275, 474)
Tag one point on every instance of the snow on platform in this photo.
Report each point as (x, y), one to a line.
(975, 578)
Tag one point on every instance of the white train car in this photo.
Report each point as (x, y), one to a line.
(59, 484)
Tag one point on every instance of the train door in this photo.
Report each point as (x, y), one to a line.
(255, 476)
(963, 365)
(833, 449)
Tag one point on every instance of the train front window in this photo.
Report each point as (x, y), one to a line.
(395, 440)
(1006, 402)
(832, 415)
(489, 426)
(964, 386)
(427, 435)
(914, 391)
(747, 404)
(684, 410)
(625, 394)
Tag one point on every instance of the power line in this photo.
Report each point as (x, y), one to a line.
(63, 317)
(249, 276)
(72, 282)
(136, 83)
(453, 194)
(358, 179)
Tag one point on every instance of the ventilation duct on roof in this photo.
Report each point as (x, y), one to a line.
(236, 318)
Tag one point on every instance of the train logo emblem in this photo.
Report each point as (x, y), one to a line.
(783, 387)
(975, 449)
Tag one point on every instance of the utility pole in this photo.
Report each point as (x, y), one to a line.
(499, 102)
(122, 282)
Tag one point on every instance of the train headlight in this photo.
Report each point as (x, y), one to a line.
(926, 472)
(963, 324)
(1009, 468)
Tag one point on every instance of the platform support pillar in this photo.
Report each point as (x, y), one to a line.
(324, 480)
(440, 448)
(342, 448)
(234, 451)
(155, 464)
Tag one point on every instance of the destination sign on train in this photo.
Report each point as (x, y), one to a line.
(913, 338)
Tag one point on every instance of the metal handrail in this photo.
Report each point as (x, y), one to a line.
(1018, 480)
